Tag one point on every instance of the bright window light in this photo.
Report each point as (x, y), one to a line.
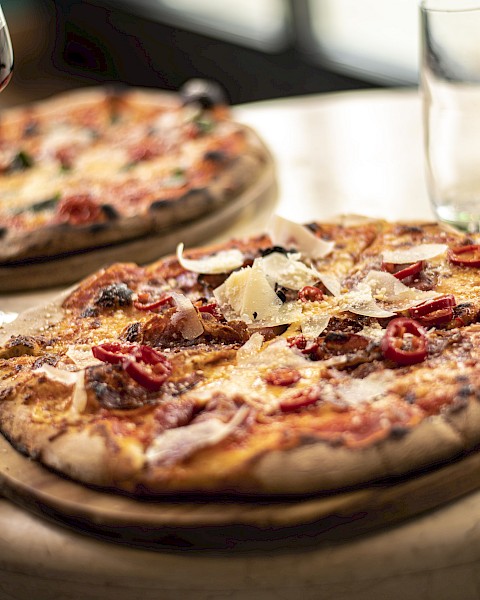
(259, 23)
(371, 37)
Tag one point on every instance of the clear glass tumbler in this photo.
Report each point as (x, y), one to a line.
(450, 84)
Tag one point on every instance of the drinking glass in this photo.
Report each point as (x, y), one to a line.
(450, 84)
(6, 52)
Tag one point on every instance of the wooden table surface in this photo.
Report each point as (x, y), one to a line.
(355, 152)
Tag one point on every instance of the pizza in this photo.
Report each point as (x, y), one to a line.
(308, 359)
(101, 166)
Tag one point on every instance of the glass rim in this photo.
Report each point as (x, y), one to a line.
(453, 6)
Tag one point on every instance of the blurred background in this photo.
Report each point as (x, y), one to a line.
(257, 49)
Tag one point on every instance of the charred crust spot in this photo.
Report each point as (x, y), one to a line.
(48, 359)
(110, 212)
(410, 397)
(31, 128)
(113, 388)
(313, 227)
(408, 229)
(398, 431)
(215, 156)
(3, 232)
(160, 204)
(97, 227)
(279, 249)
(90, 311)
(20, 345)
(132, 332)
(114, 296)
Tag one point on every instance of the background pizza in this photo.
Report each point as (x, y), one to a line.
(97, 167)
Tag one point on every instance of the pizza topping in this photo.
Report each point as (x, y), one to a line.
(225, 261)
(114, 296)
(282, 376)
(414, 254)
(287, 233)
(145, 365)
(287, 270)
(401, 272)
(142, 302)
(404, 342)
(174, 445)
(309, 293)
(389, 289)
(58, 375)
(465, 256)
(78, 209)
(434, 312)
(314, 324)
(300, 399)
(187, 318)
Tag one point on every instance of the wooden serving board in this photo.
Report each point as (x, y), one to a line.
(69, 268)
(219, 522)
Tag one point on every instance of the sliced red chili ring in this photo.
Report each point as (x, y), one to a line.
(408, 271)
(113, 352)
(150, 378)
(153, 305)
(404, 342)
(437, 317)
(434, 312)
(211, 309)
(145, 365)
(310, 293)
(466, 256)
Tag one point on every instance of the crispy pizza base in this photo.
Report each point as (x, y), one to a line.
(290, 453)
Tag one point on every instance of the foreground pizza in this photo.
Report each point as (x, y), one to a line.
(94, 167)
(305, 360)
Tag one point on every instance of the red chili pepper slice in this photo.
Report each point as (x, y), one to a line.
(310, 293)
(466, 256)
(211, 309)
(145, 365)
(113, 353)
(140, 305)
(434, 312)
(408, 271)
(404, 342)
(154, 371)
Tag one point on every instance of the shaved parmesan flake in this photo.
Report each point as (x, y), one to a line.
(174, 445)
(366, 390)
(82, 356)
(76, 378)
(413, 255)
(58, 375)
(187, 317)
(331, 283)
(79, 398)
(222, 262)
(276, 354)
(388, 288)
(286, 233)
(287, 271)
(251, 347)
(249, 294)
(313, 325)
(361, 302)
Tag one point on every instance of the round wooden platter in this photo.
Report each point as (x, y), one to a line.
(69, 268)
(201, 522)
